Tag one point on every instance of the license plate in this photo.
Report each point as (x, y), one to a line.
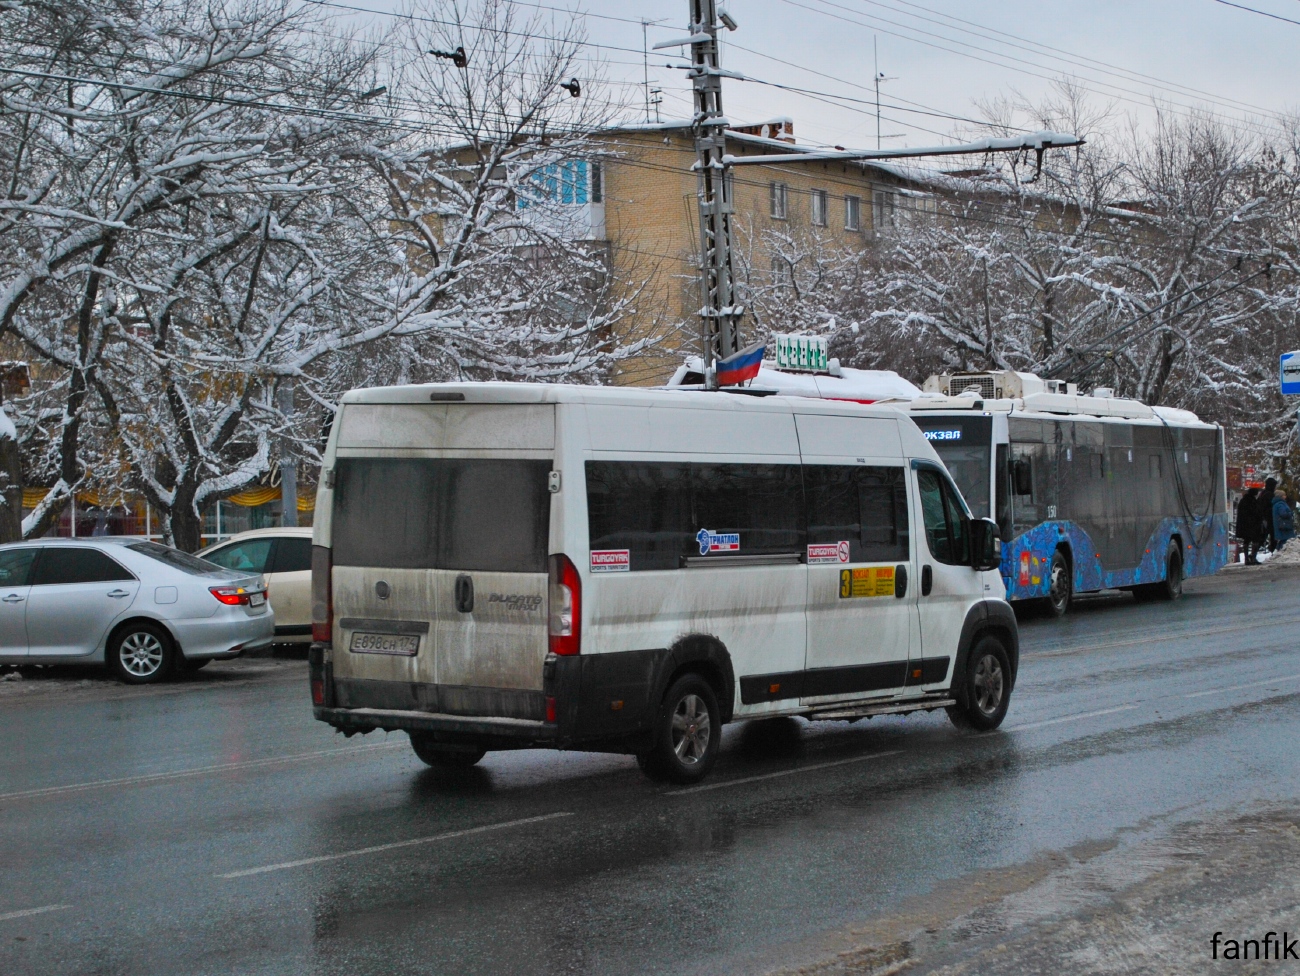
(256, 599)
(402, 644)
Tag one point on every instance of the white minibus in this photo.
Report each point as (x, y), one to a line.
(504, 566)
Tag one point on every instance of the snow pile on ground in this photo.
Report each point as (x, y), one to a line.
(1288, 555)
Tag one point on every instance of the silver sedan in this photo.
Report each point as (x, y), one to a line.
(144, 609)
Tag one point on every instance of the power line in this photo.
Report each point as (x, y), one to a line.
(998, 59)
(1262, 13)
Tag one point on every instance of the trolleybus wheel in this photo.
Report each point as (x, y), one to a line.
(1171, 588)
(1060, 585)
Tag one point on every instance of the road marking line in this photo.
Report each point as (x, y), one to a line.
(1072, 718)
(196, 771)
(1253, 684)
(1106, 645)
(32, 911)
(783, 772)
(395, 845)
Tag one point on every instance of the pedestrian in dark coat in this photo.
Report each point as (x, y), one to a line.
(1283, 519)
(1250, 527)
(1266, 513)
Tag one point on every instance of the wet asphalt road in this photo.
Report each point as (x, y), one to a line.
(214, 827)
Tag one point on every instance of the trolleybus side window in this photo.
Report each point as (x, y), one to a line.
(867, 506)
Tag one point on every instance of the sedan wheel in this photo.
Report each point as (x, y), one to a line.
(140, 653)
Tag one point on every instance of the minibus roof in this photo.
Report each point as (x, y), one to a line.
(498, 392)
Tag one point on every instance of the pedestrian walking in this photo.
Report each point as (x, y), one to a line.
(1250, 527)
(1268, 539)
(1283, 519)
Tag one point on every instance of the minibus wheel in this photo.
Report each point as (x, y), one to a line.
(1171, 587)
(439, 754)
(986, 687)
(687, 731)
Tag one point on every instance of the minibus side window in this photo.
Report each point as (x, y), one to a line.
(945, 524)
(867, 506)
(644, 508)
(761, 502)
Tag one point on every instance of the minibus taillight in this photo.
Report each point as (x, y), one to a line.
(322, 596)
(565, 606)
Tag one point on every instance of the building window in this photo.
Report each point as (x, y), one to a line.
(571, 182)
(884, 207)
(819, 205)
(779, 195)
(597, 187)
(852, 213)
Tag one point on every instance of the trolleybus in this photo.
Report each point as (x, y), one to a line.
(1089, 492)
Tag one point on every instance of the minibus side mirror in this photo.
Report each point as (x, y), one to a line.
(1022, 476)
(986, 550)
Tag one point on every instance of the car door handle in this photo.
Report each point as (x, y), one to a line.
(118, 594)
(464, 594)
(927, 580)
(900, 581)
(12, 598)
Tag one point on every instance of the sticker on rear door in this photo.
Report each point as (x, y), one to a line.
(611, 560)
(711, 541)
(868, 581)
(828, 552)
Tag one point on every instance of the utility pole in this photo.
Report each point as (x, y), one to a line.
(720, 313)
(288, 459)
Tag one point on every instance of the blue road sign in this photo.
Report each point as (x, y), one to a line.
(1291, 373)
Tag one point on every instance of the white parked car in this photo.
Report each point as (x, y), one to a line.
(144, 609)
(283, 558)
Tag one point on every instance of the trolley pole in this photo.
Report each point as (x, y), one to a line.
(720, 312)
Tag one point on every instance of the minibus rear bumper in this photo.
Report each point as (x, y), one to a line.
(490, 732)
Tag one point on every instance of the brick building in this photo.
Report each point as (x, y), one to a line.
(641, 202)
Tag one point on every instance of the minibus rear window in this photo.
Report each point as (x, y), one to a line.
(444, 513)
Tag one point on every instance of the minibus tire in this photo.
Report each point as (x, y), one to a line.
(974, 709)
(440, 756)
(688, 700)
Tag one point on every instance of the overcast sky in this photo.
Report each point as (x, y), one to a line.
(1242, 65)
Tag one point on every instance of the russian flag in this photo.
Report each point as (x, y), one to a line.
(740, 366)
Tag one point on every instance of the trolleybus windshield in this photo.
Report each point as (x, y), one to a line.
(964, 444)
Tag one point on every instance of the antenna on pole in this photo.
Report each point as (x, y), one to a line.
(879, 77)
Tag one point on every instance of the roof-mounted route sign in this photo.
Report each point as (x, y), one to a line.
(811, 354)
(1291, 373)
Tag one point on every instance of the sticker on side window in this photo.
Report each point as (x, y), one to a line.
(828, 552)
(868, 581)
(611, 560)
(711, 541)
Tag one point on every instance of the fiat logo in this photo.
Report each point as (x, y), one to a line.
(383, 590)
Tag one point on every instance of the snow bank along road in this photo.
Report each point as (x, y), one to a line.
(1142, 795)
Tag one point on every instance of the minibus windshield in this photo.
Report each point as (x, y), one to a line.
(964, 444)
